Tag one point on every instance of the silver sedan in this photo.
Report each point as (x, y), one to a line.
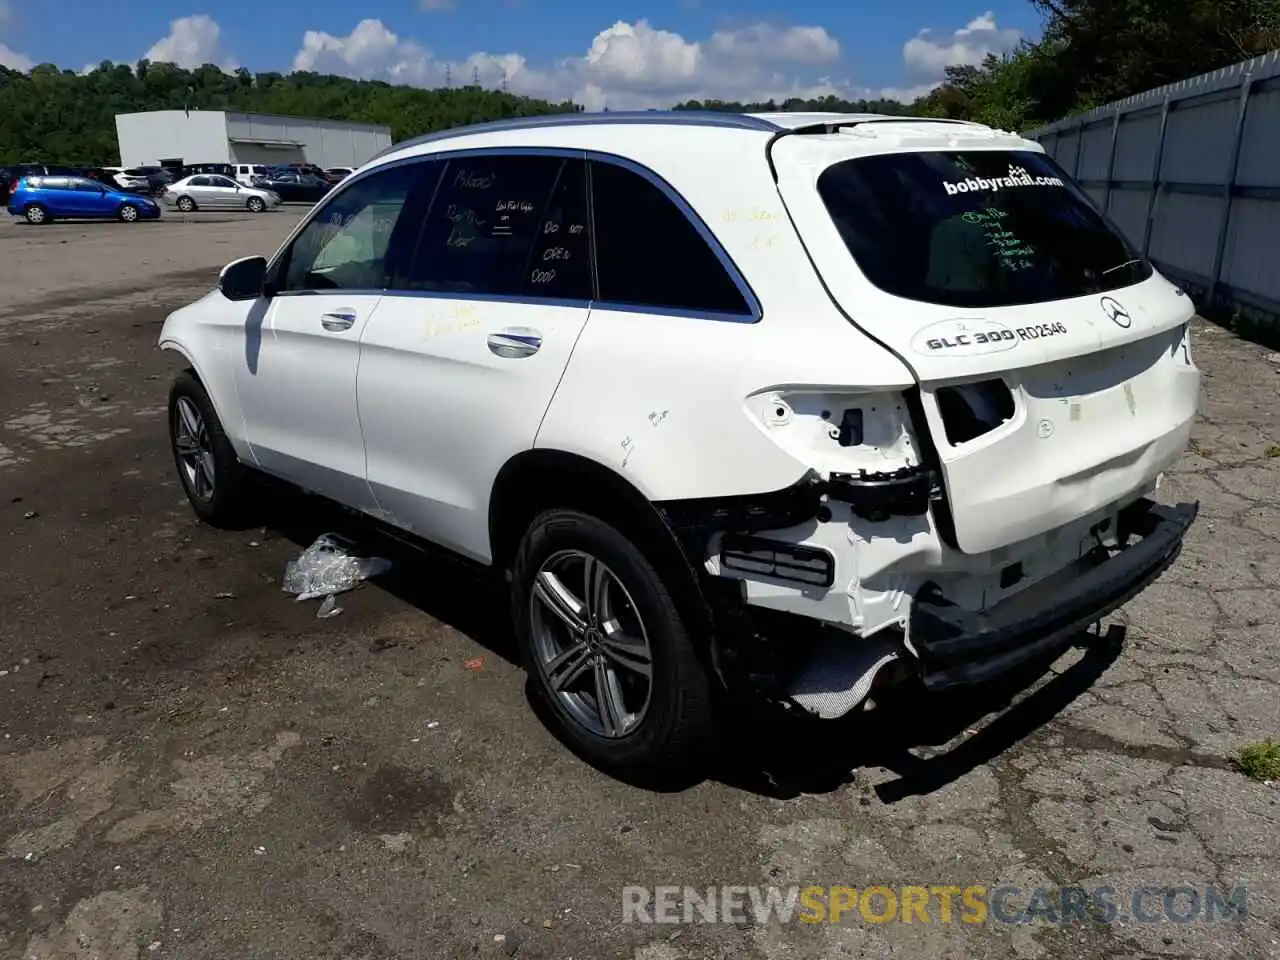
(215, 192)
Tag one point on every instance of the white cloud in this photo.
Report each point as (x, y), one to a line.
(927, 54)
(14, 60)
(627, 66)
(765, 42)
(191, 42)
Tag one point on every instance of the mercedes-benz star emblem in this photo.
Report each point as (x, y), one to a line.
(1116, 313)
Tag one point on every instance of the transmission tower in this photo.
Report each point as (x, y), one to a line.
(504, 81)
(475, 76)
(448, 76)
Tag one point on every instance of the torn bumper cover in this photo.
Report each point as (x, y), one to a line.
(957, 647)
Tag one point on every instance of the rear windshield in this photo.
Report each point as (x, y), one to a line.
(975, 228)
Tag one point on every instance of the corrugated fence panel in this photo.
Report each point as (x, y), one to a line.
(1197, 145)
(1186, 143)
(1253, 241)
(1068, 146)
(1095, 152)
(1129, 211)
(1136, 147)
(1260, 150)
(1184, 232)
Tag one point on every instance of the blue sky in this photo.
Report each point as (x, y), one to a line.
(626, 55)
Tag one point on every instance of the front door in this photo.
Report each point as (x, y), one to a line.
(465, 352)
(298, 384)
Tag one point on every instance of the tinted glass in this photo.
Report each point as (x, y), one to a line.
(199, 182)
(491, 230)
(560, 262)
(86, 186)
(649, 253)
(222, 182)
(975, 228)
(364, 234)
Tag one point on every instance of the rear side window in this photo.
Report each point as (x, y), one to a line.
(649, 254)
(975, 228)
(506, 226)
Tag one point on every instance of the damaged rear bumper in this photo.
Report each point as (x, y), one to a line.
(958, 647)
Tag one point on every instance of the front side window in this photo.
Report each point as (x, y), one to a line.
(648, 253)
(506, 226)
(363, 234)
(975, 228)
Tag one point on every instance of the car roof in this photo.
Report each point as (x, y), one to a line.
(694, 129)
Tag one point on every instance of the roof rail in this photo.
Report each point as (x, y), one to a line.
(685, 118)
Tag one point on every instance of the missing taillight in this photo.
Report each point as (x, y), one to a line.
(970, 410)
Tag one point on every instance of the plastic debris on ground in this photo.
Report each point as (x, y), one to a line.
(328, 609)
(330, 565)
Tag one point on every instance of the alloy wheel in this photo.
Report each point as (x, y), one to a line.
(590, 643)
(194, 449)
(35, 215)
(128, 213)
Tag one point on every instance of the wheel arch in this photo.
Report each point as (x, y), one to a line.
(537, 480)
(231, 425)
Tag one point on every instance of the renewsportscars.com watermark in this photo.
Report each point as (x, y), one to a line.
(974, 904)
(1017, 177)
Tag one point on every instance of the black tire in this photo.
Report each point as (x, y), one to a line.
(36, 214)
(256, 205)
(128, 213)
(671, 735)
(228, 504)
(186, 204)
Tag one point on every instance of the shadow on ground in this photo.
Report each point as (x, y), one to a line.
(760, 749)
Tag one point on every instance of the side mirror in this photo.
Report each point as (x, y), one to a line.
(243, 279)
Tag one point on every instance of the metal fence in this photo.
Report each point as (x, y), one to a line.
(1191, 173)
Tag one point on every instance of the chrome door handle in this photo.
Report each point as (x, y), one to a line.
(338, 320)
(515, 342)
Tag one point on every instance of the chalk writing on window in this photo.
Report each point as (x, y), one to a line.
(1010, 251)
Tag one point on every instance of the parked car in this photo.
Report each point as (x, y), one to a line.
(294, 187)
(12, 174)
(221, 169)
(797, 404)
(41, 199)
(338, 174)
(250, 174)
(143, 180)
(211, 192)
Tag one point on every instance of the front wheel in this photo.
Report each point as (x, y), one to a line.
(128, 213)
(606, 648)
(215, 481)
(256, 205)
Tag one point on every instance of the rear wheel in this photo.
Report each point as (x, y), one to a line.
(256, 205)
(128, 213)
(215, 481)
(186, 204)
(35, 213)
(606, 648)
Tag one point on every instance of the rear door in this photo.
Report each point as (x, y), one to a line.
(467, 348)
(1047, 349)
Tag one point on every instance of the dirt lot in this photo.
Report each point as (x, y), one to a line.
(194, 766)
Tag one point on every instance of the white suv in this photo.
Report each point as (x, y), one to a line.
(776, 400)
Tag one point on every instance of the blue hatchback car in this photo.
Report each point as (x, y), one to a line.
(41, 199)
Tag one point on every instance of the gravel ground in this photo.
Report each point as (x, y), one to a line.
(194, 766)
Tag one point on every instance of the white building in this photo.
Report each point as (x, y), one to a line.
(174, 137)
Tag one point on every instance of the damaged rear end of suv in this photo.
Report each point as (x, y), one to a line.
(980, 518)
